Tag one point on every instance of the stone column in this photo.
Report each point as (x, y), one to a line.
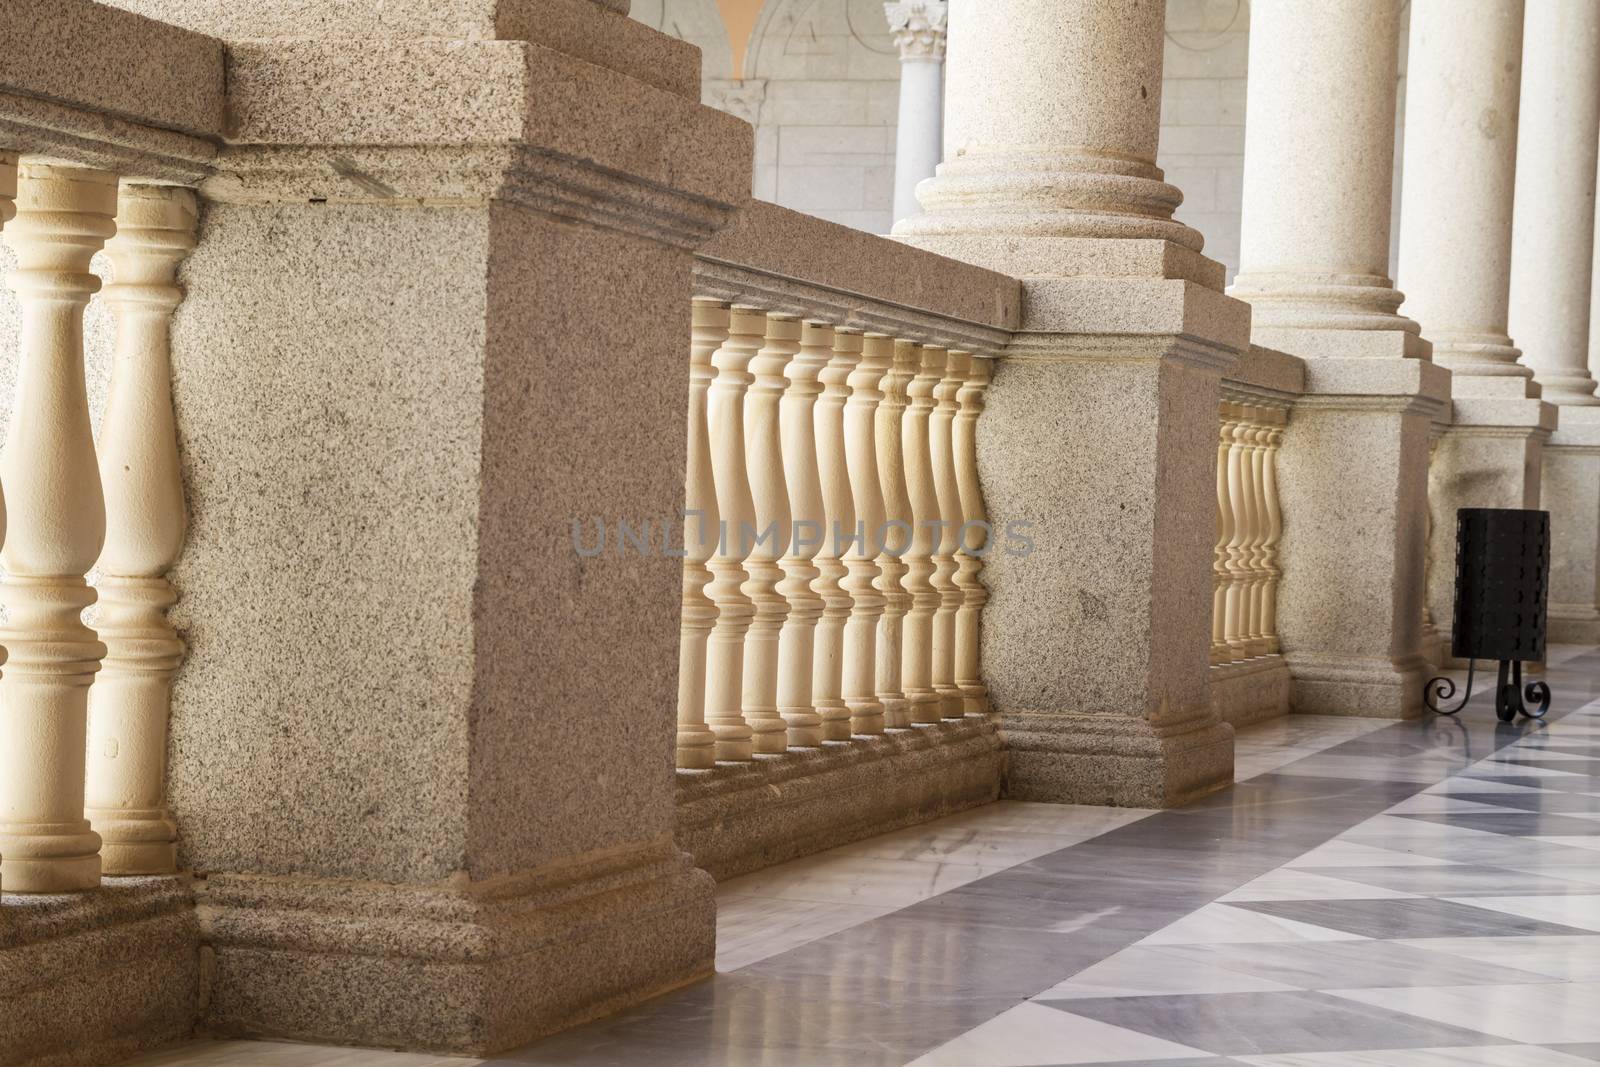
(1455, 265)
(1551, 270)
(422, 747)
(1314, 264)
(1095, 454)
(919, 28)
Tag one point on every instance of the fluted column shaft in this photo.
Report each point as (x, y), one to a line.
(918, 27)
(1553, 234)
(56, 528)
(145, 525)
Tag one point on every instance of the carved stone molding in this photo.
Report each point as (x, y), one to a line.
(918, 27)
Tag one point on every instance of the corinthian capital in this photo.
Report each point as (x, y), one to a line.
(918, 27)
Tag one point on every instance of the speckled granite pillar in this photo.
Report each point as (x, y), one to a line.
(1314, 267)
(1455, 266)
(1099, 438)
(422, 751)
(1551, 296)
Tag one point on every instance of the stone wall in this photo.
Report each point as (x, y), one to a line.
(821, 84)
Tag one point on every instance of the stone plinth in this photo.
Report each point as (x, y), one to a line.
(1571, 493)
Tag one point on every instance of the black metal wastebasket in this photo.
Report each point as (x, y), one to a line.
(1502, 581)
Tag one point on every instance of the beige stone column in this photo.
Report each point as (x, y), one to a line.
(422, 746)
(1314, 267)
(1096, 449)
(1455, 265)
(1551, 272)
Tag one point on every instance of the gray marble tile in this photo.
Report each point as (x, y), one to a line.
(1323, 965)
(1554, 1013)
(1458, 880)
(1514, 823)
(1260, 1023)
(1548, 803)
(1393, 919)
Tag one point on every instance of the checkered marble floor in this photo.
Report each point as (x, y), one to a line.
(1416, 894)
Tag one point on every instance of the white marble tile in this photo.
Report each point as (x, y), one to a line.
(1476, 1056)
(1030, 1035)
(1219, 924)
(1344, 853)
(1459, 784)
(1441, 804)
(1549, 1014)
(1572, 842)
(866, 881)
(1148, 970)
(1570, 958)
(204, 1053)
(751, 929)
(1580, 910)
(1287, 883)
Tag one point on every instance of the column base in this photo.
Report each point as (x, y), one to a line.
(1251, 691)
(470, 969)
(1115, 761)
(1367, 687)
(99, 976)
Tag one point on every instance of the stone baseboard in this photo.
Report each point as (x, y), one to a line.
(1115, 760)
(470, 969)
(1252, 690)
(1365, 687)
(740, 817)
(1572, 624)
(96, 977)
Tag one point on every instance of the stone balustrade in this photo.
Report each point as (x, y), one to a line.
(834, 530)
(1249, 679)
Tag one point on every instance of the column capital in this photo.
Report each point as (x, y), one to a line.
(918, 27)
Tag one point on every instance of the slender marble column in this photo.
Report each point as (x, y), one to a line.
(1460, 171)
(1553, 236)
(1552, 268)
(145, 526)
(56, 529)
(1314, 265)
(919, 30)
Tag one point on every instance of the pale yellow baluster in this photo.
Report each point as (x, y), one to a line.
(975, 539)
(896, 534)
(833, 472)
(57, 527)
(8, 209)
(708, 329)
(769, 492)
(1220, 578)
(1238, 622)
(941, 450)
(1269, 481)
(797, 643)
(1258, 539)
(130, 700)
(916, 660)
(725, 426)
(861, 632)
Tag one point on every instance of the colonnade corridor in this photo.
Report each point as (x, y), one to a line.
(1422, 893)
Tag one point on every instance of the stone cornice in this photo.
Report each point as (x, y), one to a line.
(918, 27)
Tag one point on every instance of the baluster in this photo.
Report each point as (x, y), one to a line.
(8, 209)
(697, 744)
(840, 516)
(1220, 579)
(145, 523)
(1258, 540)
(916, 664)
(941, 451)
(1274, 524)
(763, 445)
(52, 489)
(861, 582)
(731, 480)
(796, 644)
(895, 533)
(974, 539)
(1238, 623)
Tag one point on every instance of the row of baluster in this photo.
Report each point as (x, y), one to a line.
(82, 766)
(1245, 571)
(833, 535)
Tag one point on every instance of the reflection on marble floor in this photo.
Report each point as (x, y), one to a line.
(1420, 894)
